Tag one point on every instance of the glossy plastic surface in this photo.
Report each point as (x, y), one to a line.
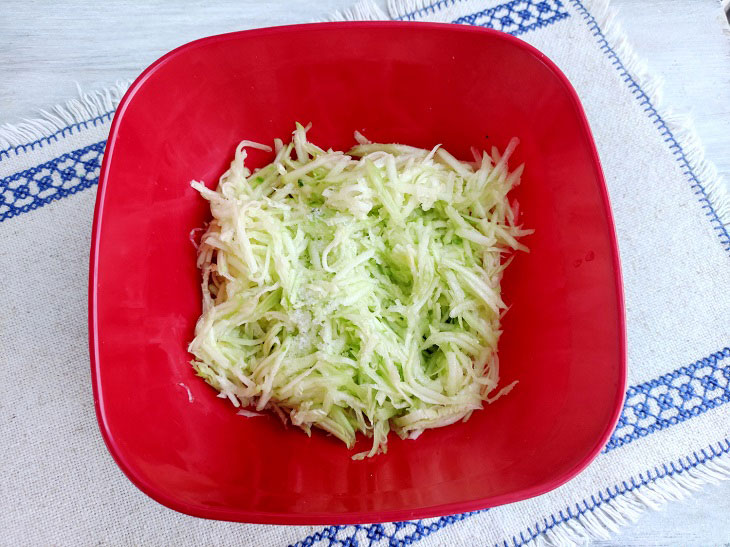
(419, 84)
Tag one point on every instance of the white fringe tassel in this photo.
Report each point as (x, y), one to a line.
(364, 10)
(606, 519)
(370, 10)
(87, 107)
(402, 8)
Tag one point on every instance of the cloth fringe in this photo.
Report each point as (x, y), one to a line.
(88, 106)
(370, 10)
(405, 8)
(681, 125)
(606, 519)
(364, 10)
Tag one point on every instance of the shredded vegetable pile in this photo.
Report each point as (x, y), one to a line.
(358, 291)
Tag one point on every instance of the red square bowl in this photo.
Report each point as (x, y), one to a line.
(418, 84)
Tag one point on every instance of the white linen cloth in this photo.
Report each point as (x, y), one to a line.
(60, 486)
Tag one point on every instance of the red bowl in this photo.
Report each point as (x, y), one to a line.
(419, 84)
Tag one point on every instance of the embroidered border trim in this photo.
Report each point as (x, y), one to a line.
(673, 398)
(55, 179)
(517, 17)
(397, 533)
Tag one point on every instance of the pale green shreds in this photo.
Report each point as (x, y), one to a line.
(358, 291)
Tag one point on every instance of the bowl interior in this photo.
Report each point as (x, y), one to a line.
(418, 84)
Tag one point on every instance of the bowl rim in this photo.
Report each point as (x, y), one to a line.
(167, 498)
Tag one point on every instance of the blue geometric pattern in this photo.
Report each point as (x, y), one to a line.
(396, 534)
(673, 398)
(518, 16)
(55, 179)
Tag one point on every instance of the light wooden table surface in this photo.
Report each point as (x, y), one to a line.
(48, 47)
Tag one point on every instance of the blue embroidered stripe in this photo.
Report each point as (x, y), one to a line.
(673, 398)
(54, 137)
(62, 176)
(649, 407)
(396, 533)
(515, 17)
(518, 16)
